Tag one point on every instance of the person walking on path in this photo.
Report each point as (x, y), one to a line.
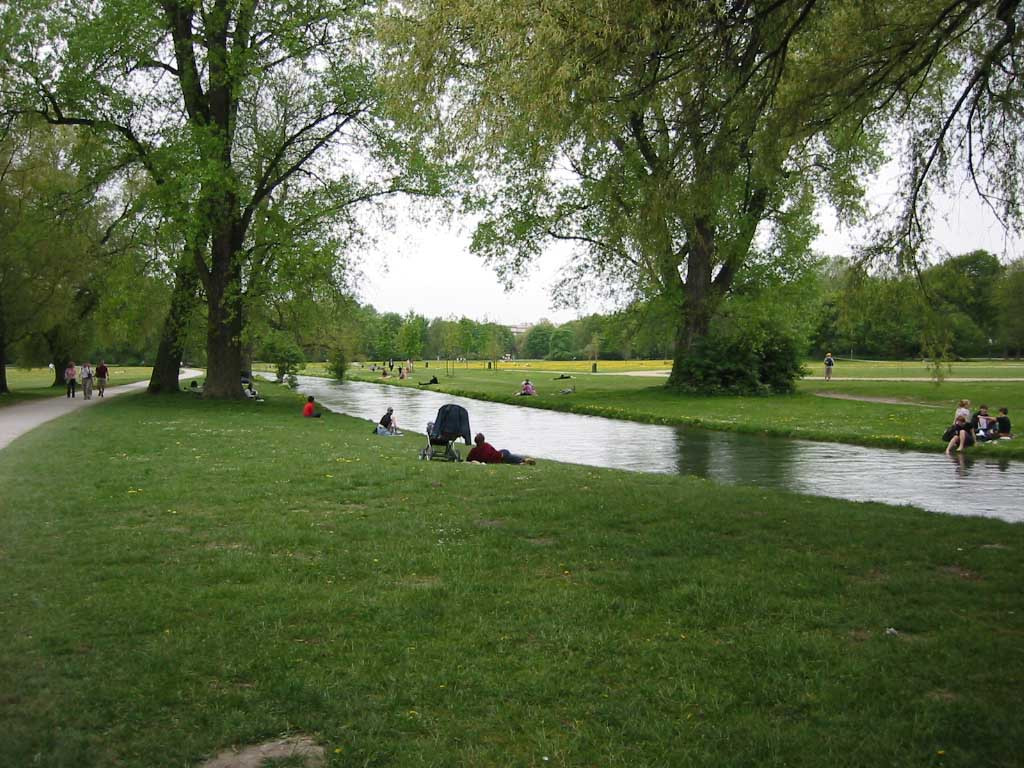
(829, 365)
(87, 374)
(102, 372)
(19, 418)
(70, 378)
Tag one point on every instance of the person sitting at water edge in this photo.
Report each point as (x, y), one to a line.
(1003, 424)
(309, 410)
(388, 425)
(433, 380)
(963, 435)
(485, 453)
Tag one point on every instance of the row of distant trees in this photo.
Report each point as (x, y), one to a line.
(970, 305)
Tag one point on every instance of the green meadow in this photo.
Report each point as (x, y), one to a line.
(196, 576)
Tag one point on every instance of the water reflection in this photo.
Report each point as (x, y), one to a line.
(972, 484)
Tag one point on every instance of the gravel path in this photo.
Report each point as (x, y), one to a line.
(16, 420)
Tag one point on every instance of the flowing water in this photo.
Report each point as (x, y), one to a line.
(972, 484)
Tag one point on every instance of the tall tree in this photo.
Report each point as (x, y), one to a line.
(678, 144)
(52, 259)
(223, 103)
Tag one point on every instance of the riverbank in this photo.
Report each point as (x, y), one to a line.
(217, 574)
(868, 422)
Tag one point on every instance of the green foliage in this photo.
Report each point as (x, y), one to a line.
(1010, 305)
(337, 363)
(538, 341)
(749, 355)
(284, 353)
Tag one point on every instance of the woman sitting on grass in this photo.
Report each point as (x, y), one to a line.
(963, 435)
(527, 389)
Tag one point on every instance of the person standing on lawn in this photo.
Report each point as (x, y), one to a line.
(830, 363)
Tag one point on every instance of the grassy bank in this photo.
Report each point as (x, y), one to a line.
(923, 411)
(204, 575)
(33, 383)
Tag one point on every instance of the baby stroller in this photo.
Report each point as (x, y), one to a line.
(451, 423)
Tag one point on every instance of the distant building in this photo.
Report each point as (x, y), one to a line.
(519, 330)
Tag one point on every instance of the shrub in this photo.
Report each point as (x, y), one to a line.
(337, 363)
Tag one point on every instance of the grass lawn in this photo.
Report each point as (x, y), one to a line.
(33, 383)
(917, 421)
(204, 575)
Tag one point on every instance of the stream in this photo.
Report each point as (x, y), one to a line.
(977, 483)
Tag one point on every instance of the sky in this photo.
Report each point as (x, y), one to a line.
(426, 267)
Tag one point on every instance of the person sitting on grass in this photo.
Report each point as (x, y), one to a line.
(527, 389)
(433, 380)
(984, 426)
(485, 453)
(309, 410)
(963, 408)
(1003, 424)
(388, 425)
(963, 435)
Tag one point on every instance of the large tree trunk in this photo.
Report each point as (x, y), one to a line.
(698, 307)
(164, 379)
(224, 320)
(3, 356)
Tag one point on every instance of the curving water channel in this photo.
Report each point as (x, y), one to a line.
(976, 484)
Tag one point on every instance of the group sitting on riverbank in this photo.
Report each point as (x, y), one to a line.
(968, 429)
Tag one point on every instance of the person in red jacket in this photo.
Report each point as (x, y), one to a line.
(309, 410)
(486, 453)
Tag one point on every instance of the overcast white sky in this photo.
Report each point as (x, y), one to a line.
(418, 266)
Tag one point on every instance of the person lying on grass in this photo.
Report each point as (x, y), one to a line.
(485, 453)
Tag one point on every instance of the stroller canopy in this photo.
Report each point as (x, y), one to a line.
(452, 421)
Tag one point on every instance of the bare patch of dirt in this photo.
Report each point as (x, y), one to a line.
(541, 541)
(419, 582)
(490, 523)
(296, 750)
(861, 635)
(870, 399)
(964, 573)
(941, 695)
(994, 546)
